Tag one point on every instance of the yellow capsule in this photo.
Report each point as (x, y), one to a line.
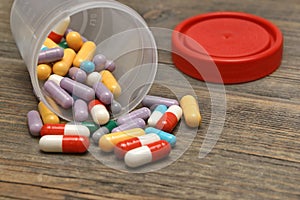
(50, 43)
(47, 115)
(43, 71)
(111, 83)
(62, 67)
(191, 111)
(86, 52)
(74, 40)
(107, 142)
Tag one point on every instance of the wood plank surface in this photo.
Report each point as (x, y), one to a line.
(256, 157)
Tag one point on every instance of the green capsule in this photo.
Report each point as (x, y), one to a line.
(63, 44)
(91, 126)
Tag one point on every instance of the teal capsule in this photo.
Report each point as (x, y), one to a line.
(105, 129)
(91, 126)
(63, 44)
(163, 135)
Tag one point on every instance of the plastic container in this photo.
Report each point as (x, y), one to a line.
(119, 32)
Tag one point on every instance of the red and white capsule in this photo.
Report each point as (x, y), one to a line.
(59, 30)
(64, 144)
(98, 112)
(123, 147)
(65, 129)
(147, 154)
(170, 119)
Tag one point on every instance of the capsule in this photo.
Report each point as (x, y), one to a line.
(59, 30)
(107, 128)
(134, 123)
(87, 66)
(158, 112)
(91, 126)
(123, 147)
(63, 44)
(86, 52)
(110, 65)
(34, 122)
(50, 43)
(163, 135)
(43, 71)
(74, 40)
(65, 129)
(170, 119)
(98, 112)
(115, 107)
(99, 61)
(47, 115)
(51, 55)
(77, 89)
(93, 78)
(149, 100)
(103, 94)
(59, 95)
(107, 142)
(80, 110)
(190, 111)
(64, 144)
(111, 83)
(70, 30)
(143, 113)
(62, 67)
(147, 154)
(77, 74)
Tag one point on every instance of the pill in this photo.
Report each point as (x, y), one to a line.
(70, 30)
(34, 122)
(59, 30)
(64, 144)
(124, 146)
(91, 126)
(86, 52)
(107, 128)
(77, 74)
(163, 135)
(143, 113)
(74, 40)
(102, 93)
(50, 55)
(147, 154)
(134, 123)
(93, 78)
(115, 107)
(47, 115)
(44, 48)
(110, 65)
(50, 43)
(80, 111)
(43, 71)
(149, 100)
(87, 66)
(170, 119)
(107, 142)
(77, 89)
(62, 67)
(99, 61)
(190, 111)
(156, 115)
(58, 94)
(98, 112)
(64, 129)
(63, 44)
(111, 83)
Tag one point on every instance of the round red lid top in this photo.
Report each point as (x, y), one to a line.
(227, 47)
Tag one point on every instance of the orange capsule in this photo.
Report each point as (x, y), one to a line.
(111, 83)
(62, 67)
(74, 40)
(43, 71)
(86, 52)
(47, 115)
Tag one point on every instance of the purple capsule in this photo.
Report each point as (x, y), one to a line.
(110, 66)
(115, 107)
(34, 122)
(77, 89)
(99, 61)
(103, 94)
(60, 96)
(51, 55)
(135, 123)
(149, 100)
(80, 109)
(77, 74)
(143, 113)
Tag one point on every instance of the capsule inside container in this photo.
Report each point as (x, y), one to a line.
(119, 32)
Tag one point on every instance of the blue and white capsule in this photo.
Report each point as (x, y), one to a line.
(156, 115)
(163, 135)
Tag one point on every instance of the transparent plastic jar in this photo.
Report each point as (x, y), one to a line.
(119, 32)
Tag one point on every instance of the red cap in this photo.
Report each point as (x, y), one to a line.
(227, 47)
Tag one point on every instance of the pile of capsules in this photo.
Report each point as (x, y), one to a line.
(67, 65)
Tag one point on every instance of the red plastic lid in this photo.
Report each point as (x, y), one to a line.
(242, 47)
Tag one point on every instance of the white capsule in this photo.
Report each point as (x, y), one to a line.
(93, 78)
(56, 78)
(99, 112)
(50, 143)
(138, 157)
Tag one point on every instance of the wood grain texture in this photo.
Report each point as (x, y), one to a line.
(256, 157)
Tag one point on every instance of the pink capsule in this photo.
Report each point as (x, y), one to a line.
(143, 113)
(149, 100)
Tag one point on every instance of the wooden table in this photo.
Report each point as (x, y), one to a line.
(257, 155)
